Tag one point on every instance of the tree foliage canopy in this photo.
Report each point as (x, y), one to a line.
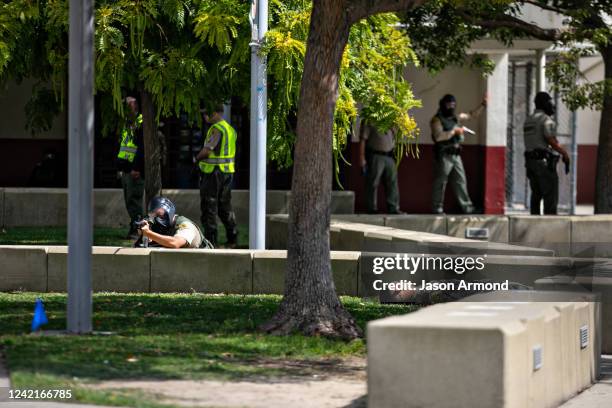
(184, 52)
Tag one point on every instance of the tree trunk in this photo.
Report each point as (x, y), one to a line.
(310, 304)
(152, 148)
(603, 183)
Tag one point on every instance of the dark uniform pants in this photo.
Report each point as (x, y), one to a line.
(449, 167)
(382, 167)
(544, 184)
(133, 191)
(216, 199)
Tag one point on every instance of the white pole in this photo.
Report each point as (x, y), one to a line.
(259, 121)
(80, 165)
(574, 166)
(540, 71)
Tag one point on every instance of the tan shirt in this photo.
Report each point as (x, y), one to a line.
(437, 130)
(212, 142)
(187, 230)
(381, 142)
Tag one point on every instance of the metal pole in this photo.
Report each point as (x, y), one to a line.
(540, 71)
(574, 166)
(259, 122)
(80, 165)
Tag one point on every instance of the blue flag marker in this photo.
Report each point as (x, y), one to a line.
(40, 317)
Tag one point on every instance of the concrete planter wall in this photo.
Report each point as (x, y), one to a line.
(36, 207)
(43, 269)
(577, 236)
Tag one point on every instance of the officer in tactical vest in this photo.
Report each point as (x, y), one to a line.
(130, 164)
(163, 227)
(216, 162)
(542, 153)
(447, 132)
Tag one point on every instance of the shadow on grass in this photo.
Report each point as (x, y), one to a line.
(173, 336)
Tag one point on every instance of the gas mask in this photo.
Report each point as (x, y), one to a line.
(447, 106)
(544, 102)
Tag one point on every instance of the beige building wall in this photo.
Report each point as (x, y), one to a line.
(467, 85)
(587, 126)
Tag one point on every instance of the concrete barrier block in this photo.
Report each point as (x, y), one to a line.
(187, 202)
(568, 285)
(435, 224)
(496, 226)
(23, 268)
(579, 366)
(549, 232)
(592, 236)
(342, 202)
(423, 242)
(277, 202)
(113, 269)
(200, 270)
(420, 359)
(352, 235)
(22, 207)
(601, 285)
(109, 208)
(269, 269)
(523, 269)
(370, 219)
(276, 231)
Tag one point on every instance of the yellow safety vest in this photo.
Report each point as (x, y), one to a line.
(128, 148)
(227, 151)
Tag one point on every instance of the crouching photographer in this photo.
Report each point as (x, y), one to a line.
(164, 228)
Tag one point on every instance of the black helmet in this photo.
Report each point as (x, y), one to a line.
(165, 221)
(446, 111)
(543, 101)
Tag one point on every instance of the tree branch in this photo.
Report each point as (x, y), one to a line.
(359, 9)
(506, 21)
(545, 6)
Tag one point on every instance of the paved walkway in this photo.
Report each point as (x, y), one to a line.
(598, 396)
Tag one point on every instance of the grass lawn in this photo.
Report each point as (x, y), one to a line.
(103, 236)
(161, 336)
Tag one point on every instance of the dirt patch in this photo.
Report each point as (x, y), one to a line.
(317, 384)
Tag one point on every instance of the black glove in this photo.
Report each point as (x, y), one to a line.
(567, 166)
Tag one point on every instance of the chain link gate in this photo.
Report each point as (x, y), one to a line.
(521, 92)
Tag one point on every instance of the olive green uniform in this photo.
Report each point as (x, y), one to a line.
(448, 165)
(380, 166)
(540, 163)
